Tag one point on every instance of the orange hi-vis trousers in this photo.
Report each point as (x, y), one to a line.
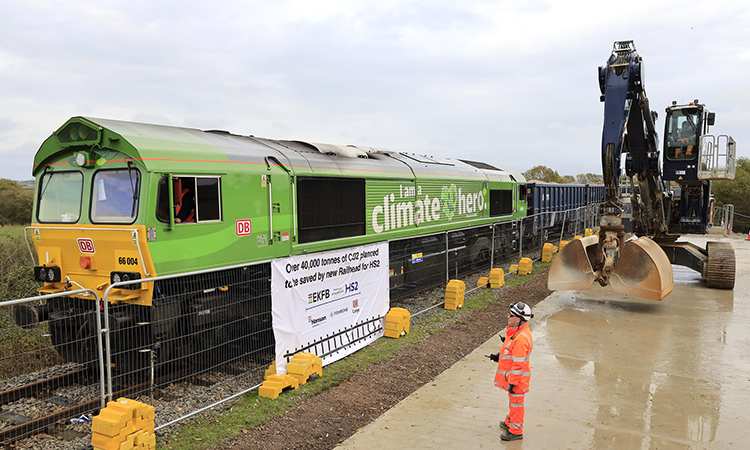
(514, 420)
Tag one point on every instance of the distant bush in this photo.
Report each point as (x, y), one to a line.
(15, 203)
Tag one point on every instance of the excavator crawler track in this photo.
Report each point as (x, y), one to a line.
(720, 269)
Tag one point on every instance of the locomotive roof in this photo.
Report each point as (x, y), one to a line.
(162, 148)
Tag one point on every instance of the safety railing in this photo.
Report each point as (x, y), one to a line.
(724, 217)
(717, 157)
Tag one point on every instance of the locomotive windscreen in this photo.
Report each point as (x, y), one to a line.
(330, 208)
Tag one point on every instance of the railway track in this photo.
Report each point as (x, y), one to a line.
(25, 426)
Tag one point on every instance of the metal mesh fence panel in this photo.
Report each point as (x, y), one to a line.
(211, 329)
(50, 369)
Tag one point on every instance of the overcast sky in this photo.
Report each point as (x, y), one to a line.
(507, 82)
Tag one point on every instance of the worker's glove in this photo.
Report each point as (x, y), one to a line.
(502, 338)
(494, 357)
(510, 388)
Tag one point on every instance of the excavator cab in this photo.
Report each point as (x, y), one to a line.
(692, 159)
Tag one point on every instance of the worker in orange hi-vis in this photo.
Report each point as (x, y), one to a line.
(513, 368)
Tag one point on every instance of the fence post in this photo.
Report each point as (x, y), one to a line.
(520, 242)
(562, 230)
(447, 268)
(492, 250)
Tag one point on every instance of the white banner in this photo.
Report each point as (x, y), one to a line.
(329, 304)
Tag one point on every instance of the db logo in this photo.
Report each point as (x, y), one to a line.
(86, 245)
(244, 227)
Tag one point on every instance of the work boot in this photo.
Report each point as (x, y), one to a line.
(508, 436)
(504, 426)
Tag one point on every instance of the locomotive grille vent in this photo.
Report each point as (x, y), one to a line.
(77, 133)
(480, 165)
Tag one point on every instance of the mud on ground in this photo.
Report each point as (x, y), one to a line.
(331, 417)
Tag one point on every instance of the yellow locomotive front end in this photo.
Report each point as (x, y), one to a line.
(93, 257)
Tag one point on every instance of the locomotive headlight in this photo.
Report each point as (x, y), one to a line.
(47, 274)
(81, 159)
(117, 277)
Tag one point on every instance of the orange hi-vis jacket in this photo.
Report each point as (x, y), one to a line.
(513, 365)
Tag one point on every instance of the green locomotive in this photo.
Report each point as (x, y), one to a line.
(119, 201)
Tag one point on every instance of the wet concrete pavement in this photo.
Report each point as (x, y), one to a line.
(608, 372)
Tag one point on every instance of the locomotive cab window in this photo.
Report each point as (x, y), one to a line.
(501, 202)
(196, 199)
(114, 196)
(60, 196)
(330, 208)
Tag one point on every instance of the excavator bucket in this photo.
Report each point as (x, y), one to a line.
(643, 270)
(571, 269)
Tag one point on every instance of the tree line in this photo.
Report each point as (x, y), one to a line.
(16, 200)
(727, 192)
(544, 173)
(15, 203)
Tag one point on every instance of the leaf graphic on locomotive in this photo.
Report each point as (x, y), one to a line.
(449, 200)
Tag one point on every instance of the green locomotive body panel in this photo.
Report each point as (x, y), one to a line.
(255, 214)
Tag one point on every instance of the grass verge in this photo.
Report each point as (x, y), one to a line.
(211, 428)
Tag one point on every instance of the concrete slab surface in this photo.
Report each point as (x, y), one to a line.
(608, 372)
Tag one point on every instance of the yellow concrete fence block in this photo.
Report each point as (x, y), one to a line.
(112, 419)
(270, 371)
(577, 237)
(563, 244)
(302, 365)
(525, 266)
(144, 440)
(455, 292)
(273, 386)
(513, 268)
(112, 428)
(483, 282)
(548, 251)
(497, 278)
(397, 322)
(588, 232)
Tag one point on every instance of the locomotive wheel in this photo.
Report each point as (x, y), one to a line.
(721, 265)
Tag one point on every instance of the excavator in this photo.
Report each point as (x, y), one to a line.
(668, 198)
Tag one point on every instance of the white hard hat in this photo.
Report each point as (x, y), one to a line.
(521, 310)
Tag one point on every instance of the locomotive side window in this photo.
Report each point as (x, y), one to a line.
(114, 196)
(60, 196)
(522, 192)
(330, 208)
(501, 202)
(196, 199)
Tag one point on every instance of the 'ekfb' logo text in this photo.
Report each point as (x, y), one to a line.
(86, 245)
(244, 227)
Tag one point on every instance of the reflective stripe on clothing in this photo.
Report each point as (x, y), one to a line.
(513, 366)
(516, 414)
